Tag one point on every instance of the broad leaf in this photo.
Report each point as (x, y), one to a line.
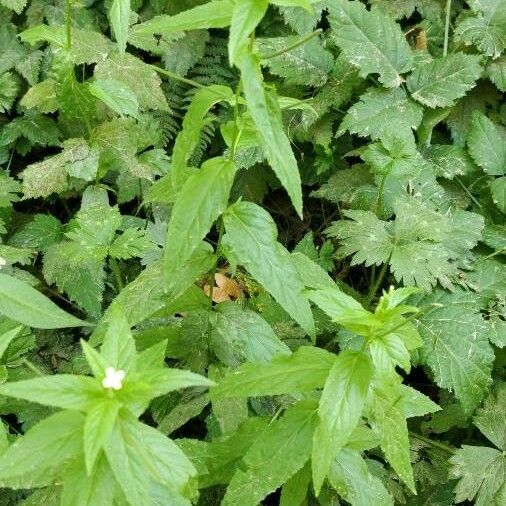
(119, 15)
(370, 40)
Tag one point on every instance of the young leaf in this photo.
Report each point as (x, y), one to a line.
(266, 114)
(119, 14)
(193, 122)
(438, 83)
(203, 199)
(246, 15)
(251, 236)
(99, 423)
(280, 451)
(22, 303)
(371, 41)
(306, 369)
(340, 408)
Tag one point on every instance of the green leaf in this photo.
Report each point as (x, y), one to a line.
(340, 408)
(203, 199)
(460, 362)
(264, 109)
(350, 476)
(389, 419)
(20, 302)
(16, 5)
(280, 451)
(239, 334)
(491, 418)
(306, 369)
(496, 72)
(486, 144)
(119, 15)
(440, 82)
(246, 16)
(308, 64)
(498, 190)
(294, 491)
(140, 455)
(194, 120)
(371, 40)
(64, 391)
(118, 349)
(135, 75)
(35, 459)
(214, 14)
(481, 472)
(115, 95)
(251, 236)
(99, 423)
(382, 112)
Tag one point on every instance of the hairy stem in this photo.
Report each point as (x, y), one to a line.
(374, 287)
(68, 24)
(447, 26)
(177, 77)
(296, 44)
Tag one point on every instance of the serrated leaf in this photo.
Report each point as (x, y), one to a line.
(496, 72)
(116, 95)
(251, 236)
(382, 112)
(135, 75)
(481, 471)
(20, 302)
(203, 199)
(486, 142)
(16, 5)
(239, 334)
(339, 411)
(459, 361)
(305, 369)
(371, 41)
(438, 83)
(34, 459)
(283, 448)
(491, 418)
(309, 64)
(264, 109)
(350, 476)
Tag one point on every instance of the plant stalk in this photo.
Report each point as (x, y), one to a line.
(447, 26)
(296, 44)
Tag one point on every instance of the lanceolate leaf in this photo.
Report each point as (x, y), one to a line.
(22, 303)
(119, 15)
(371, 41)
(245, 18)
(251, 236)
(203, 199)
(264, 109)
(341, 405)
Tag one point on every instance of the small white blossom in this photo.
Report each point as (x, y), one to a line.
(3, 262)
(113, 378)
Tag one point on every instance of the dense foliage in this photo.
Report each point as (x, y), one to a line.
(252, 252)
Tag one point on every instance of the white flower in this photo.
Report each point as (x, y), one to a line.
(113, 378)
(3, 262)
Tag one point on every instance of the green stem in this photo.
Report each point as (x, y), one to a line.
(431, 442)
(447, 26)
(296, 44)
(495, 253)
(117, 274)
(469, 194)
(68, 24)
(374, 288)
(177, 77)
